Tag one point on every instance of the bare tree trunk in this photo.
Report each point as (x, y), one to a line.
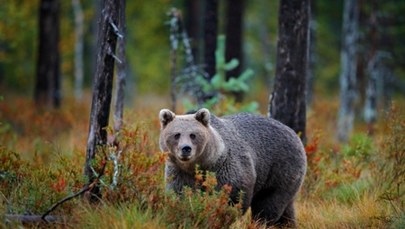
(47, 86)
(121, 70)
(94, 30)
(102, 88)
(370, 104)
(234, 39)
(78, 15)
(348, 92)
(287, 103)
(193, 25)
(210, 36)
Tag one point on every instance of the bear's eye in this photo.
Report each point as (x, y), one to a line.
(177, 136)
(192, 136)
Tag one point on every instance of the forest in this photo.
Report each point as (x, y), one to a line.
(82, 84)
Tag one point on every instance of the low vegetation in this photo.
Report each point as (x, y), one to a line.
(356, 185)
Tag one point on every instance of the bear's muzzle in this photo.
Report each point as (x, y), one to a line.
(185, 152)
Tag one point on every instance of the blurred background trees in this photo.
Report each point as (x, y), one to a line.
(348, 72)
(379, 47)
(48, 79)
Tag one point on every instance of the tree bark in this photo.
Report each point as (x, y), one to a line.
(102, 88)
(287, 103)
(121, 70)
(193, 24)
(210, 36)
(78, 16)
(348, 92)
(234, 39)
(370, 103)
(47, 86)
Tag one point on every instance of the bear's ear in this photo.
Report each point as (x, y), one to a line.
(165, 116)
(203, 116)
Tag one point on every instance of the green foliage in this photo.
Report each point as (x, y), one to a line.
(399, 222)
(390, 163)
(32, 188)
(328, 26)
(360, 148)
(118, 216)
(218, 81)
(147, 45)
(18, 27)
(350, 193)
(223, 88)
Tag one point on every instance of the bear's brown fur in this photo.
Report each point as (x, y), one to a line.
(259, 156)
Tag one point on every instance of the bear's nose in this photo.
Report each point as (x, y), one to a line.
(186, 150)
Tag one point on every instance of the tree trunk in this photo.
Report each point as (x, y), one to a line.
(234, 39)
(193, 25)
(348, 92)
(210, 36)
(370, 103)
(47, 86)
(94, 30)
(287, 103)
(121, 70)
(102, 88)
(78, 15)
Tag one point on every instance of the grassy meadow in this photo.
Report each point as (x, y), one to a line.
(42, 153)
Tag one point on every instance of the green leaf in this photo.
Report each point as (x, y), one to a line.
(217, 81)
(247, 74)
(232, 64)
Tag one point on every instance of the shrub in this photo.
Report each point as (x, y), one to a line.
(390, 172)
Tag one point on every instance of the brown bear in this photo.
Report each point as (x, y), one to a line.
(256, 155)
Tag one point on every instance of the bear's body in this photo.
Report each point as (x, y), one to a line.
(259, 156)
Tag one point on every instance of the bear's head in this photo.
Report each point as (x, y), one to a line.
(184, 137)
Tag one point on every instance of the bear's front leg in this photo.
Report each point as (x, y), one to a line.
(242, 185)
(176, 179)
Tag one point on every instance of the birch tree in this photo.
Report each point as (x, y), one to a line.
(348, 92)
(287, 102)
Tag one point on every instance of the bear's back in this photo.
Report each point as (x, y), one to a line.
(275, 149)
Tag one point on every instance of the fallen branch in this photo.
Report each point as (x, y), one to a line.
(30, 219)
(86, 188)
(46, 218)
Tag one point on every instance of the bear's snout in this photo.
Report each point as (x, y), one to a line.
(185, 152)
